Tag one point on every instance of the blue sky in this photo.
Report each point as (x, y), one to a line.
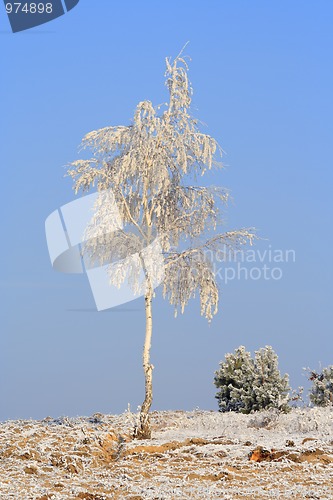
(262, 78)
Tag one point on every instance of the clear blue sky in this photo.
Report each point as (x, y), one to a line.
(262, 77)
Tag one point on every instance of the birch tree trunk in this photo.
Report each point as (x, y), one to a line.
(142, 429)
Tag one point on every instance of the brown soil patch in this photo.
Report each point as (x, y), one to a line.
(98, 460)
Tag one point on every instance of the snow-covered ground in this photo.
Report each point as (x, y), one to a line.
(199, 454)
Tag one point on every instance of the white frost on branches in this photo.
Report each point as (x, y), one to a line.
(249, 384)
(146, 165)
(322, 387)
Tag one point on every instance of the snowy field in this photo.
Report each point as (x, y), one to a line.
(198, 455)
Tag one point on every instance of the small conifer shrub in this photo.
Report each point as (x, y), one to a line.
(247, 384)
(321, 393)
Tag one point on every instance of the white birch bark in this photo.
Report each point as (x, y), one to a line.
(143, 430)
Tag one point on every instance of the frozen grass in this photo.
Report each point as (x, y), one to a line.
(199, 454)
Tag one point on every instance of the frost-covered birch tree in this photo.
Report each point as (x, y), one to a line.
(151, 166)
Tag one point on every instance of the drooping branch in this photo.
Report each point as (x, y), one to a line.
(191, 271)
(231, 240)
(188, 275)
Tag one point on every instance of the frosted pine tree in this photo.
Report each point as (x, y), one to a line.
(233, 380)
(151, 167)
(246, 384)
(270, 389)
(322, 387)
